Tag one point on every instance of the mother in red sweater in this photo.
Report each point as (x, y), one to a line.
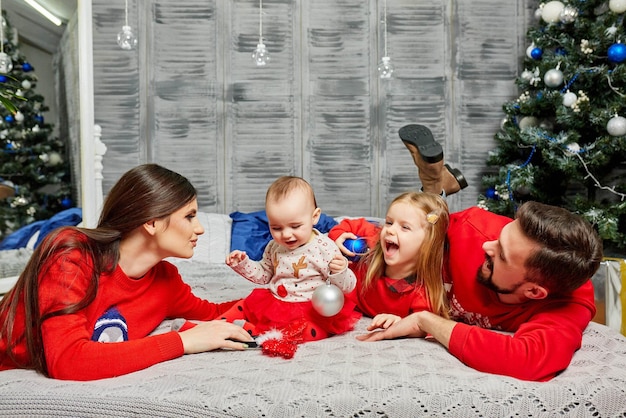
(529, 276)
(88, 299)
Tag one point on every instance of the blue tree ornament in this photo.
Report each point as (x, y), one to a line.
(9, 119)
(3, 78)
(491, 193)
(66, 203)
(536, 53)
(357, 246)
(617, 53)
(26, 67)
(39, 119)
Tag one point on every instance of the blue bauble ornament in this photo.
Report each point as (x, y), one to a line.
(617, 53)
(560, 51)
(3, 78)
(66, 203)
(357, 246)
(491, 193)
(26, 67)
(9, 119)
(536, 53)
(39, 119)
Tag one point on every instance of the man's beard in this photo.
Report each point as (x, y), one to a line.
(487, 281)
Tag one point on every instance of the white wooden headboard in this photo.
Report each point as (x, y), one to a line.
(91, 160)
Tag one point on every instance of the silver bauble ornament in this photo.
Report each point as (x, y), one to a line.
(327, 299)
(528, 122)
(526, 75)
(572, 149)
(569, 99)
(568, 14)
(553, 78)
(551, 11)
(6, 63)
(523, 190)
(617, 6)
(616, 126)
(54, 158)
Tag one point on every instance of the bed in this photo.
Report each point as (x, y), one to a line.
(339, 376)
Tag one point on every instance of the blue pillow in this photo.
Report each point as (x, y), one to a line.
(21, 237)
(251, 232)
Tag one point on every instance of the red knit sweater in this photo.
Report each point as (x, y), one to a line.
(547, 332)
(136, 307)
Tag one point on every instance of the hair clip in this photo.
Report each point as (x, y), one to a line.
(432, 218)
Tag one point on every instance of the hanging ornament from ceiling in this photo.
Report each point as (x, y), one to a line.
(126, 39)
(260, 56)
(385, 68)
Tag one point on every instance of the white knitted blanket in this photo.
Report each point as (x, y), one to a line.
(339, 376)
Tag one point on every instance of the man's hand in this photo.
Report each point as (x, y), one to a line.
(383, 321)
(406, 327)
(418, 324)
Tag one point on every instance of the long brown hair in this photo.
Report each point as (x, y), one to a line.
(430, 254)
(143, 193)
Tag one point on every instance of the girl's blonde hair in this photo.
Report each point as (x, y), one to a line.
(429, 257)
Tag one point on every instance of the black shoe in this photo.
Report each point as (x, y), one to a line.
(460, 178)
(421, 138)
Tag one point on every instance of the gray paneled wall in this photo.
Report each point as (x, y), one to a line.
(190, 97)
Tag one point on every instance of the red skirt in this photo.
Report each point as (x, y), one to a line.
(267, 312)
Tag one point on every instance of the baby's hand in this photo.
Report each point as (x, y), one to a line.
(341, 239)
(338, 264)
(383, 321)
(235, 258)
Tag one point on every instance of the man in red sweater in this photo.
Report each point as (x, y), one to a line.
(528, 276)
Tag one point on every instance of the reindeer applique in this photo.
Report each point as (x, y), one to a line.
(300, 265)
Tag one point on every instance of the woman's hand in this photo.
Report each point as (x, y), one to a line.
(211, 335)
(341, 239)
(235, 257)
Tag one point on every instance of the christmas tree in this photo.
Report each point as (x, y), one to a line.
(34, 170)
(563, 140)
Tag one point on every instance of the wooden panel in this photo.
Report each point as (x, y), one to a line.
(182, 93)
(116, 90)
(262, 135)
(190, 96)
(339, 161)
(486, 57)
(417, 45)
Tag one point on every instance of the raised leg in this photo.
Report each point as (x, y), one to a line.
(428, 157)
